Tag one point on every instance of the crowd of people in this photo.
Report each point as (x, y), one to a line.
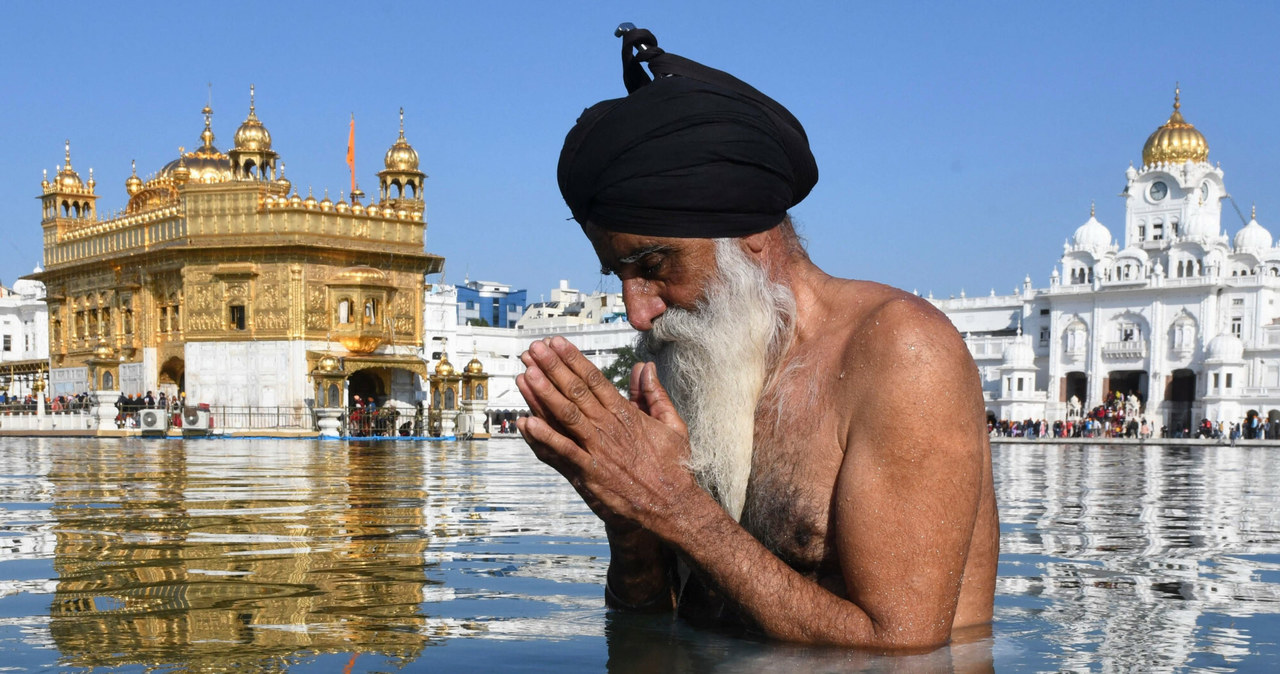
(129, 405)
(1116, 419)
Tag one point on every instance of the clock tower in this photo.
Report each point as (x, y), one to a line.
(1177, 194)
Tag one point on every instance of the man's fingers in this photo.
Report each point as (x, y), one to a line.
(552, 448)
(561, 412)
(633, 388)
(566, 380)
(604, 390)
(656, 401)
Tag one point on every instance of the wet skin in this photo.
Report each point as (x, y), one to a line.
(870, 517)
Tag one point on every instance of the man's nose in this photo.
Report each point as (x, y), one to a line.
(643, 304)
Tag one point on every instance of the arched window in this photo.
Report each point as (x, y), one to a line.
(448, 399)
(344, 310)
(371, 311)
(479, 391)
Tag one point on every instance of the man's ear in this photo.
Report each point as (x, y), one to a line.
(753, 244)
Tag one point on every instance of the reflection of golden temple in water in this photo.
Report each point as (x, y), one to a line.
(193, 566)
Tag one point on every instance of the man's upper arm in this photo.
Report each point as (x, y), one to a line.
(909, 484)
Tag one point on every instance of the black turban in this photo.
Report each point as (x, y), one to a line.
(694, 153)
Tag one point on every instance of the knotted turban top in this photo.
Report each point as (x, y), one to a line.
(694, 152)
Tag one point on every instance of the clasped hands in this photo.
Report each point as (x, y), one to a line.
(627, 458)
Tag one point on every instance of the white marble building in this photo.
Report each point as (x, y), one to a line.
(596, 325)
(1174, 311)
(24, 322)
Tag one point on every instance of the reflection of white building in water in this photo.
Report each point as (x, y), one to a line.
(1175, 312)
(1140, 562)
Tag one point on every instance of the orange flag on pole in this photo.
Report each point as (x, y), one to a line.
(351, 151)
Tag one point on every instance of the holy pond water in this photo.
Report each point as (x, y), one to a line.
(302, 556)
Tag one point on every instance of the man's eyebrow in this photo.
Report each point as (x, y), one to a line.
(641, 252)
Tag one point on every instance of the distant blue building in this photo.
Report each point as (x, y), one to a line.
(489, 303)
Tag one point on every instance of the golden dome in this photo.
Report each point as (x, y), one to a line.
(328, 364)
(133, 184)
(474, 367)
(401, 156)
(252, 135)
(205, 165)
(444, 368)
(295, 200)
(179, 173)
(360, 275)
(310, 202)
(1175, 142)
(67, 176)
(283, 182)
(326, 204)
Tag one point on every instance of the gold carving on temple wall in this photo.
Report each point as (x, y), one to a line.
(317, 313)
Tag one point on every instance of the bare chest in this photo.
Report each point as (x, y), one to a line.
(789, 496)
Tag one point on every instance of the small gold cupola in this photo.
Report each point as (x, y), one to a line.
(1175, 142)
(66, 196)
(133, 183)
(252, 157)
(400, 184)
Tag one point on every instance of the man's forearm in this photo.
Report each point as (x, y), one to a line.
(639, 576)
(783, 603)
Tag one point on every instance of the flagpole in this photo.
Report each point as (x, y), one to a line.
(351, 151)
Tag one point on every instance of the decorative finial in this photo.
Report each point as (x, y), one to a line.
(68, 147)
(1177, 95)
(402, 121)
(1253, 214)
(1091, 205)
(250, 99)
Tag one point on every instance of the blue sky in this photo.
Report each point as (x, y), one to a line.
(958, 144)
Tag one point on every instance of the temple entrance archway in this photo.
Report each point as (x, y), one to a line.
(173, 378)
(1126, 383)
(368, 384)
(1180, 396)
(1077, 384)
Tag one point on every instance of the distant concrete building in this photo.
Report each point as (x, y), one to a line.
(569, 307)
(487, 303)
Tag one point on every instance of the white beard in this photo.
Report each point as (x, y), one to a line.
(715, 362)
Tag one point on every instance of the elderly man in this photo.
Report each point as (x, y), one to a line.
(780, 464)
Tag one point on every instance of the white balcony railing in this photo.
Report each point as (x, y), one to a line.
(1130, 349)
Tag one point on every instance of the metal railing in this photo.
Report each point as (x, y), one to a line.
(384, 422)
(232, 417)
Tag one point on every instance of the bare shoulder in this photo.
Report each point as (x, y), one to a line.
(889, 326)
(904, 363)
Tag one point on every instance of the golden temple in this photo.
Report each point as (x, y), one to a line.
(220, 281)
